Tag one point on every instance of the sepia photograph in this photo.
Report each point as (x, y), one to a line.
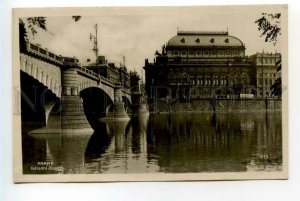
(150, 93)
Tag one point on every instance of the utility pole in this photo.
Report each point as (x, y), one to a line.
(95, 42)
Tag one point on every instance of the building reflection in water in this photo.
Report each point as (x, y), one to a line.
(207, 142)
(225, 142)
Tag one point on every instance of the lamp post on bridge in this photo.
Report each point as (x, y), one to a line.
(95, 41)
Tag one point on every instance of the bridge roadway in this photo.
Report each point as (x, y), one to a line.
(65, 78)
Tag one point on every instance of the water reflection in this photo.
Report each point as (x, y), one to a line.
(63, 153)
(214, 143)
(222, 142)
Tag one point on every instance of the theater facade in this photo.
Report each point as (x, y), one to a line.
(203, 65)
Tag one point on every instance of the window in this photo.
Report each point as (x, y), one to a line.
(182, 40)
(226, 40)
(183, 52)
(197, 40)
(191, 52)
(265, 60)
(212, 40)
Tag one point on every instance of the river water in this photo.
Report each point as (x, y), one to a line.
(175, 143)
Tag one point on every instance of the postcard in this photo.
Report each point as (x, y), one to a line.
(114, 94)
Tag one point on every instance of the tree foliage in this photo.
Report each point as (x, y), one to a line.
(269, 24)
(22, 36)
(35, 23)
(276, 88)
(76, 18)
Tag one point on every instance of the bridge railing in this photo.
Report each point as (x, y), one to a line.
(87, 71)
(106, 80)
(95, 75)
(35, 49)
(69, 61)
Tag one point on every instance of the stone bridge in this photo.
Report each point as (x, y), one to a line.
(65, 79)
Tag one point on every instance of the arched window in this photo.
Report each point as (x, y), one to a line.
(191, 52)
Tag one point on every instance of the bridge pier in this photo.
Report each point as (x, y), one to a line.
(72, 114)
(48, 109)
(119, 109)
(139, 106)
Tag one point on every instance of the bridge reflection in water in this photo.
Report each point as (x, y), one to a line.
(222, 142)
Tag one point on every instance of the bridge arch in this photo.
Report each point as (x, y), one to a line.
(95, 103)
(37, 102)
(127, 102)
(45, 73)
(87, 86)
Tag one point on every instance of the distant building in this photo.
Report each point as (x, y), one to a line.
(265, 72)
(201, 65)
(110, 71)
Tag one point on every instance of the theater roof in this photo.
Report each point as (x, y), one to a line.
(196, 38)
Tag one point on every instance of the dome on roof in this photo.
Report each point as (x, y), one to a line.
(189, 38)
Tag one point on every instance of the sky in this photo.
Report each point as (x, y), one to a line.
(137, 33)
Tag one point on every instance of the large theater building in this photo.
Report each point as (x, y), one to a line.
(202, 65)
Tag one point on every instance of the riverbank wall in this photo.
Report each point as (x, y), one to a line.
(211, 105)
